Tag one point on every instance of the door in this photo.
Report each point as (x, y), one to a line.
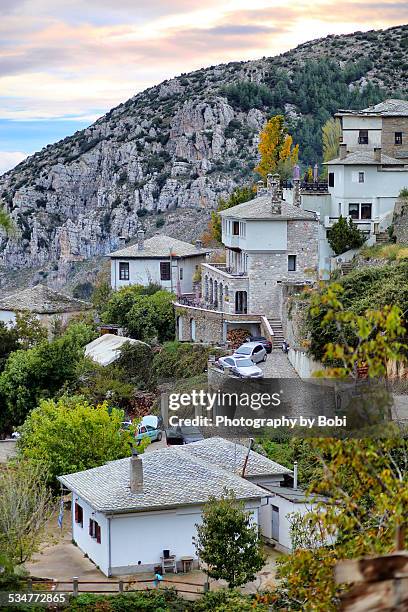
(275, 523)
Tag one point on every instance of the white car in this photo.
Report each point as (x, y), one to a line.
(251, 350)
(240, 366)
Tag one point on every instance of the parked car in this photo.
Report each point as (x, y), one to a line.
(183, 435)
(267, 344)
(150, 426)
(251, 350)
(240, 366)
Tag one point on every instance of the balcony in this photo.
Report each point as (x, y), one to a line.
(220, 287)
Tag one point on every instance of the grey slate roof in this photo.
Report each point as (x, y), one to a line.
(261, 208)
(160, 246)
(297, 496)
(389, 108)
(173, 476)
(365, 158)
(42, 300)
(230, 456)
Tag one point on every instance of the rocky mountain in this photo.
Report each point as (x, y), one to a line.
(163, 158)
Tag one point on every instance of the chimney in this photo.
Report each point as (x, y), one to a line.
(122, 241)
(199, 244)
(377, 154)
(296, 192)
(136, 473)
(140, 240)
(295, 475)
(276, 197)
(343, 150)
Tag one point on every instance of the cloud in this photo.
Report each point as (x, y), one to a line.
(9, 159)
(78, 59)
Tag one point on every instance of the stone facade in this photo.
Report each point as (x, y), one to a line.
(391, 125)
(266, 271)
(400, 220)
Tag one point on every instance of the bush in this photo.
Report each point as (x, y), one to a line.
(181, 360)
(344, 235)
(163, 600)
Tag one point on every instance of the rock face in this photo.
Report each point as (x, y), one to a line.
(180, 145)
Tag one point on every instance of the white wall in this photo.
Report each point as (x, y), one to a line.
(267, 236)
(97, 552)
(286, 507)
(304, 365)
(8, 317)
(351, 127)
(145, 271)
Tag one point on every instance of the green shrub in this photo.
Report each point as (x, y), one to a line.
(344, 235)
(181, 360)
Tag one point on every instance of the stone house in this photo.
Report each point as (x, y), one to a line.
(43, 302)
(267, 242)
(161, 259)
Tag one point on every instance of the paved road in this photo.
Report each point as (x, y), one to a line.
(278, 365)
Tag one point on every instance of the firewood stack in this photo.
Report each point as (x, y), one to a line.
(236, 337)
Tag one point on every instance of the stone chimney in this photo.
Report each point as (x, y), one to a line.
(343, 150)
(140, 240)
(276, 198)
(122, 241)
(296, 192)
(377, 154)
(136, 473)
(199, 244)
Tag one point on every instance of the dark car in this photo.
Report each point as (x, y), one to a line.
(183, 435)
(267, 344)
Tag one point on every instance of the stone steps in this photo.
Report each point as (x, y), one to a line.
(278, 336)
(382, 238)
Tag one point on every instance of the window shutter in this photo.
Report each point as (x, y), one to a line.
(98, 533)
(76, 512)
(91, 528)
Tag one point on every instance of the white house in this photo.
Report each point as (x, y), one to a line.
(44, 303)
(127, 512)
(161, 259)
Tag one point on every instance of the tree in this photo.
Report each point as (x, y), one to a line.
(26, 505)
(69, 435)
(276, 148)
(344, 235)
(29, 329)
(6, 223)
(238, 196)
(371, 339)
(101, 295)
(8, 342)
(39, 372)
(331, 134)
(227, 541)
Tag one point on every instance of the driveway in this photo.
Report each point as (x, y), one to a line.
(277, 365)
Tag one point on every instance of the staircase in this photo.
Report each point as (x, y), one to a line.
(382, 238)
(346, 267)
(278, 336)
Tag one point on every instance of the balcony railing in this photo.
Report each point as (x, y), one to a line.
(315, 186)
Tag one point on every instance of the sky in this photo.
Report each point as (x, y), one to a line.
(64, 63)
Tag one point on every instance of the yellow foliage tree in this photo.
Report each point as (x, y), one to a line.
(278, 154)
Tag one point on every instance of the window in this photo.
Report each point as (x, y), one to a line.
(354, 211)
(123, 270)
(235, 228)
(331, 179)
(95, 530)
(291, 263)
(366, 211)
(398, 138)
(363, 137)
(361, 177)
(79, 514)
(165, 270)
(181, 273)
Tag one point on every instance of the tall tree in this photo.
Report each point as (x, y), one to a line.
(331, 133)
(25, 507)
(228, 542)
(276, 148)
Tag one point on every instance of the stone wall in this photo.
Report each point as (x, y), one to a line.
(389, 127)
(400, 220)
(268, 270)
